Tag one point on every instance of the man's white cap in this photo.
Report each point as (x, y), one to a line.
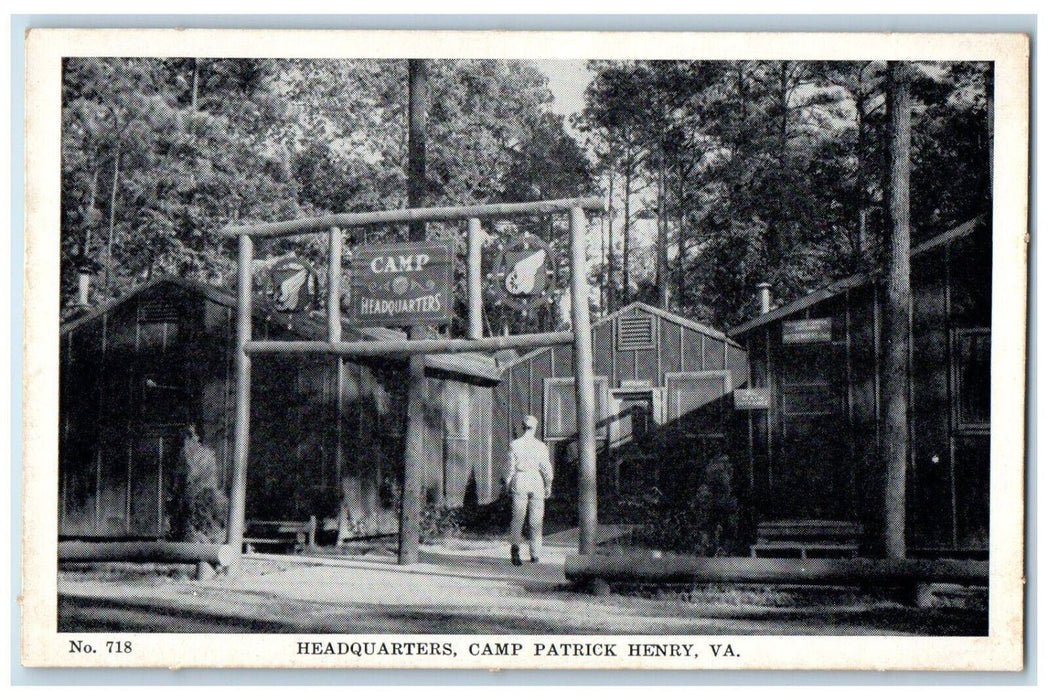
(531, 422)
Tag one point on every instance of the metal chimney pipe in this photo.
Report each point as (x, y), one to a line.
(764, 292)
(83, 287)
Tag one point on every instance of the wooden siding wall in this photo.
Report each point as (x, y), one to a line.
(316, 447)
(948, 486)
(677, 348)
(125, 395)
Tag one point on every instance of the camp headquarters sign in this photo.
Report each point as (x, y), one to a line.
(402, 284)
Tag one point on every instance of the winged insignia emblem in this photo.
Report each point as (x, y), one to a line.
(521, 279)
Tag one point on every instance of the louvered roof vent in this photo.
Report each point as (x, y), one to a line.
(635, 333)
(157, 311)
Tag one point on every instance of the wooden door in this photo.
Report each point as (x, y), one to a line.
(812, 473)
(632, 418)
(970, 438)
(153, 456)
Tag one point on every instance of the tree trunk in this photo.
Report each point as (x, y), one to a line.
(112, 218)
(860, 173)
(682, 175)
(609, 278)
(418, 99)
(738, 152)
(415, 439)
(661, 256)
(886, 170)
(628, 175)
(897, 311)
(196, 83)
(90, 212)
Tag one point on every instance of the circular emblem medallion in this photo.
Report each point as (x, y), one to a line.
(525, 273)
(293, 285)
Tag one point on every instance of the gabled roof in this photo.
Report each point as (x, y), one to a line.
(635, 306)
(215, 294)
(835, 288)
(804, 302)
(467, 363)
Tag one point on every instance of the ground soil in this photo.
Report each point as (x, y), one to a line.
(463, 588)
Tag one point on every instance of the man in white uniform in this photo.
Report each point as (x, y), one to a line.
(530, 480)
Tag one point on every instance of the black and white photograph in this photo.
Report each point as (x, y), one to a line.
(466, 351)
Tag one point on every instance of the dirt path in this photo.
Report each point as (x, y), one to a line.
(458, 593)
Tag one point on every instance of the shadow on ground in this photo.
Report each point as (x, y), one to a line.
(272, 614)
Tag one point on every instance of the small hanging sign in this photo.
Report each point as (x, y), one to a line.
(807, 330)
(751, 399)
(293, 285)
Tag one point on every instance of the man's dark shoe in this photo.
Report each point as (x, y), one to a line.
(534, 559)
(514, 555)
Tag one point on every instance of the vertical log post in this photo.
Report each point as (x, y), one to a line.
(584, 398)
(415, 439)
(897, 335)
(334, 321)
(334, 286)
(474, 238)
(242, 425)
(414, 456)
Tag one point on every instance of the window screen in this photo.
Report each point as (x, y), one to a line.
(559, 406)
(688, 392)
(973, 378)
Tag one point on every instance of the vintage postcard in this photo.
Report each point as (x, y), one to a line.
(514, 350)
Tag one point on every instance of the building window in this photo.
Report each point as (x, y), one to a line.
(455, 403)
(698, 398)
(635, 333)
(972, 378)
(558, 404)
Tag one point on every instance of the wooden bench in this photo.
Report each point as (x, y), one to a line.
(807, 538)
(804, 549)
(281, 532)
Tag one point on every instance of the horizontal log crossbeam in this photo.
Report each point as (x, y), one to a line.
(319, 224)
(146, 552)
(388, 348)
(680, 569)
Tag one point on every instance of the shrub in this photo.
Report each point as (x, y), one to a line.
(698, 518)
(439, 521)
(197, 506)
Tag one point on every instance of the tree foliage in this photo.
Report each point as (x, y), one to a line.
(771, 171)
(721, 174)
(160, 154)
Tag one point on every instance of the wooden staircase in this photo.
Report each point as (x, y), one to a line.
(807, 539)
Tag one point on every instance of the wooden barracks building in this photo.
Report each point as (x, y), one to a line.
(652, 369)
(814, 453)
(803, 433)
(325, 434)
